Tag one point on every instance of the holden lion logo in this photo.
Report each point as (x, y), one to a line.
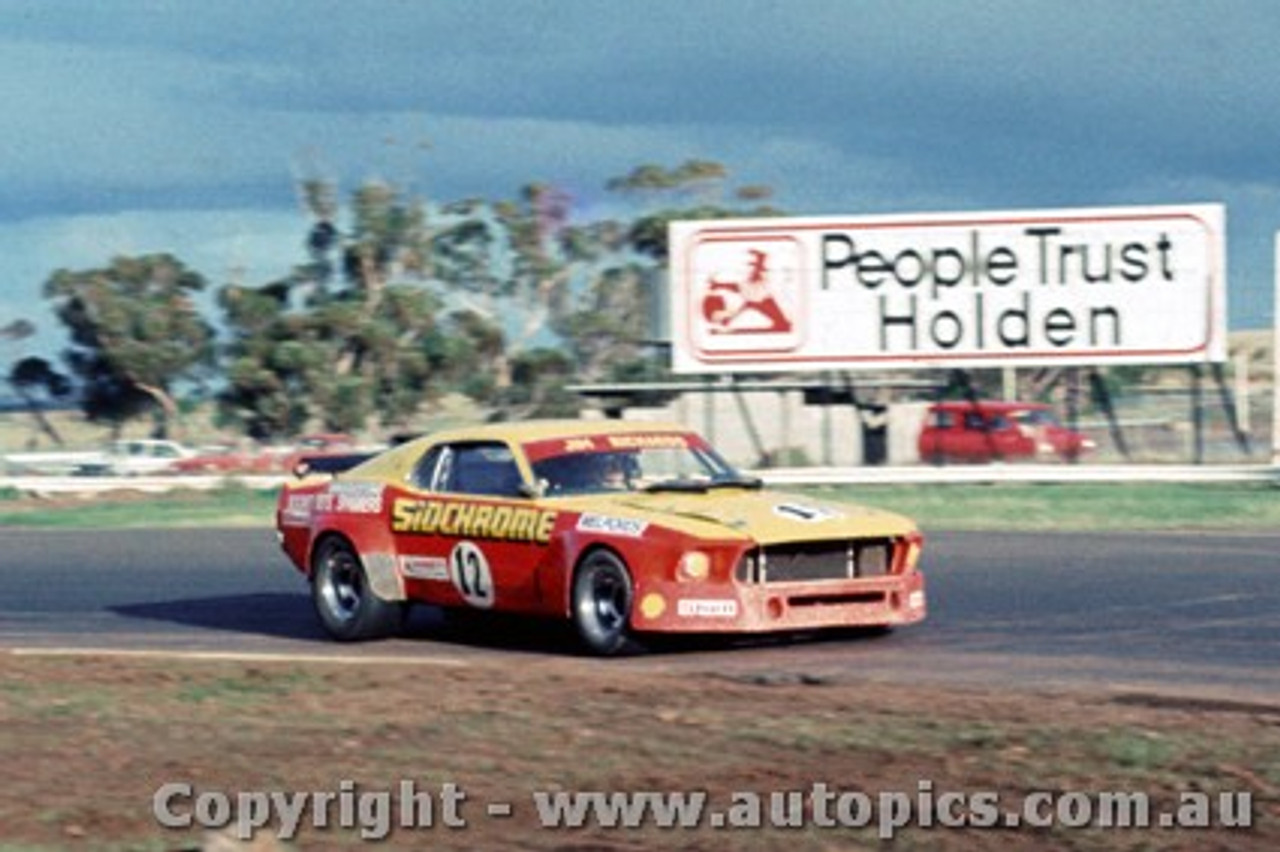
(746, 295)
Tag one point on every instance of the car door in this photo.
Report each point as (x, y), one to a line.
(469, 535)
(943, 435)
(973, 439)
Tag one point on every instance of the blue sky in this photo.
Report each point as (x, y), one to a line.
(159, 125)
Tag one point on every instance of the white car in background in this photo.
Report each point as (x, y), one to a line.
(48, 463)
(142, 457)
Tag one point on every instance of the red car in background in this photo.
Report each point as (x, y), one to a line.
(318, 446)
(986, 431)
(227, 458)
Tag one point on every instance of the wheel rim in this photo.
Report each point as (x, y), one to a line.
(609, 600)
(342, 586)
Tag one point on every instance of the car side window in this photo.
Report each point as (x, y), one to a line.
(425, 472)
(974, 422)
(482, 468)
(944, 420)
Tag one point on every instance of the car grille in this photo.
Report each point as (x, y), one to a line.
(815, 561)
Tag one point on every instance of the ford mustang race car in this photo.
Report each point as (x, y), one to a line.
(622, 528)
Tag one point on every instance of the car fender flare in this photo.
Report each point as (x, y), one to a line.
(379, 563)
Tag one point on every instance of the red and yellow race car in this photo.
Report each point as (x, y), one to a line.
(623, 528)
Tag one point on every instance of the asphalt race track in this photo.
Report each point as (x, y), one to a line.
(1190, 614)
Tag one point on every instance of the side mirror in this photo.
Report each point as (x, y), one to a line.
(535, 491)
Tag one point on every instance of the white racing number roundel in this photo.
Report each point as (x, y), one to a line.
(469, 571)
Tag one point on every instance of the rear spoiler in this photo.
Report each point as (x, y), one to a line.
(330, 464)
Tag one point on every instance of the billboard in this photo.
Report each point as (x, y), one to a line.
(1139, 285)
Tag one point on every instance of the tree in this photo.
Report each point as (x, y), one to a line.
(538, 380)
(346, 334)
(135, 333)
(19, 329)
(397, 301)
(37, 384)
(503, 264)
(611, 329)
(693, 190)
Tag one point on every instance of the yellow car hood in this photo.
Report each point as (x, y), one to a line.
(768, 517)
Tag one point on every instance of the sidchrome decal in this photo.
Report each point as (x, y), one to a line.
(465, 519)
(611, 526)
(706, 608)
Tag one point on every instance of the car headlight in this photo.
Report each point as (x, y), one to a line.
(911, 559)
(693, 566)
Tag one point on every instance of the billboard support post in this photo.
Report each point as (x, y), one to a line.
(1197, 416)
(1275, 363)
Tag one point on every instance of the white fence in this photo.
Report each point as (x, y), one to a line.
(996, 473)
(896, 474)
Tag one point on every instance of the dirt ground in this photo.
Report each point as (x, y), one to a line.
(93, 742)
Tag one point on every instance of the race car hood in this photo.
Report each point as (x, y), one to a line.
(767, 517)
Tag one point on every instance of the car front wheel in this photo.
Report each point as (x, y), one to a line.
(602, 596)
(344, 600)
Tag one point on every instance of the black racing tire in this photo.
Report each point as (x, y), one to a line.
(601, 604)
(345, 601)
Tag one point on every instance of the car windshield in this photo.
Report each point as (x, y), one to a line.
(1036, 417)
(641, 462)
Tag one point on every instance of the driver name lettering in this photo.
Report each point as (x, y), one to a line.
(640, 442)
(472, 520)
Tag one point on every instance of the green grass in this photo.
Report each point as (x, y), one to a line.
(1244, 506)
(1074, 506)
(231, 506)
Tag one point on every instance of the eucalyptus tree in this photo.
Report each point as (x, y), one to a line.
(613, 330)
(39, 385)
(344, 337)
(135, 333)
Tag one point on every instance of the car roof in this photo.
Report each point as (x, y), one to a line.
(537, 430)
(397, 461)
(986, 405)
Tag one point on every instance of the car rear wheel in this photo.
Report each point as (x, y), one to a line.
(344, 600)
(602, 596)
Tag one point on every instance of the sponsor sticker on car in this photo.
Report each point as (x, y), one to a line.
(358, 498)
(297, 510)
(706, 608)
(425, 568)
(608, 525)
(804, 512)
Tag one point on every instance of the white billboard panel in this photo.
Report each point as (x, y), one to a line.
(1083, 286)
